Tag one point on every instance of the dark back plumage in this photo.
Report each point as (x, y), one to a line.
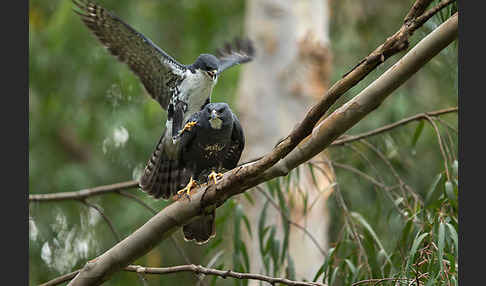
(203, 149)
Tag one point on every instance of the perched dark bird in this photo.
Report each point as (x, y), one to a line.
(180, 89)
(210, 143)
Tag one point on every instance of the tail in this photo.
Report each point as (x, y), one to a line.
(202, 229)
(162, 176)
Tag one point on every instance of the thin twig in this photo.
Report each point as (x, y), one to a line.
(138, 200)
(105, 217)
(439, 138)
(379, 280)
(422, 116)
(197, 269)
(349, 222)
(221, 273)
(275, 205)
(82, 194)
(447, 124)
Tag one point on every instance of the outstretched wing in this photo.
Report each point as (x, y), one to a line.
(238, 52)
(159, 72)
(236, 146)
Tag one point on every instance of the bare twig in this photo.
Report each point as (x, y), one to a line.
(275, 205)
(422, 116)
(138, 200)
(379, 280)
(105, 217)
(439, 138)
(196, 269)
(82, 194)
(221, 273)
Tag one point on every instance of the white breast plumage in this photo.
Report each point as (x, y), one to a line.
(198, 87)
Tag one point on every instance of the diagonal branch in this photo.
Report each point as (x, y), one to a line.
(242, 178)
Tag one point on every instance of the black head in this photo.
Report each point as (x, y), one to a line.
(207, 63)
(219, 114)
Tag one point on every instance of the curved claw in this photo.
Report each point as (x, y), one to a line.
(215, 176)
(188, 126)
(187, 189)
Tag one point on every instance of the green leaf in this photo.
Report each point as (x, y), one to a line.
(245, 256)
(418, 132)
(454, 237)
(455, 168)
(432, 195)
(290, 268)
(368, 227)
(449, 190)
(440, 245)
(261, 227)
(325, 265)
(249, 198)
(214, 259)
(247, 224)
(415, 245)
(333, 276)
(353, 268)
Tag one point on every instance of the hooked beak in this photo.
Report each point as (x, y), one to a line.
(214, 114)
(212, 74)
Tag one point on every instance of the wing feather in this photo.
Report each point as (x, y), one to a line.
(238, 52)
(159, 72)
(236, 146)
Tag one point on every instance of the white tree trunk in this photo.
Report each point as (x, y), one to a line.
(291, 70)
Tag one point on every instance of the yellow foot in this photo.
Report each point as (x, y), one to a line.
(215, 176)
(187, 190)
(188, 126)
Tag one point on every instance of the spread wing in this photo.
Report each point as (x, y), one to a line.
(159, 72)
(240, 51)
(236, 146)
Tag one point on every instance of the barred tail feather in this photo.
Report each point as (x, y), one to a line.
(162, 176)
(202, 229)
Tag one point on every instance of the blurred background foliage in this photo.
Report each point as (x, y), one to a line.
(91, 123)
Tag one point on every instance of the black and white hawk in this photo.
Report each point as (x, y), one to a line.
(182, 90)
(210, 143)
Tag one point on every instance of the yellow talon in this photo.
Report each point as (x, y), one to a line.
(188, 126)
(187, 190)
(215, 176)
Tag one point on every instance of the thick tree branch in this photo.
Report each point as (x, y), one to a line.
(393, 45)
(238, 180)
(369, 99)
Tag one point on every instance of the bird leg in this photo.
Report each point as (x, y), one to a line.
(188, 126)
(187, 189)
(215, 176)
